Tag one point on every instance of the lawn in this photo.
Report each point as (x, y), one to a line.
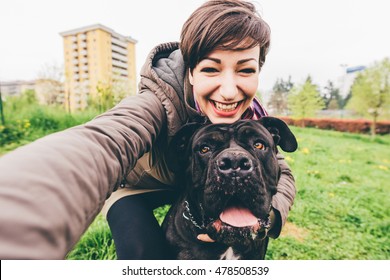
(341, 210)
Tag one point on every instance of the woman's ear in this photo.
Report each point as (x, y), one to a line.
(190, 77)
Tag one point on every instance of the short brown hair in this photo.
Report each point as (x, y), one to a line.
(223, 24)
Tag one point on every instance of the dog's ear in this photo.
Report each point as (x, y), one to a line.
(281, 133)
(177, 148)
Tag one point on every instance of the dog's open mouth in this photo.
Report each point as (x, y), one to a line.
(237, 225)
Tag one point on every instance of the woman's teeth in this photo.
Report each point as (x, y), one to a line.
(225, 107)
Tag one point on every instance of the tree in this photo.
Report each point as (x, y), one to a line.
(371, 92)
(278, 100)
(49, 84)
(305, 100)
(332, 97)
(108, 95)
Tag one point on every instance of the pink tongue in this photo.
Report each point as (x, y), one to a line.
(238, 217)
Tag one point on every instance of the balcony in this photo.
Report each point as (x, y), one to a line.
(119, 50)
(119, 57)
(119, 71)
(119, 64)
(82, 37)
(118, 42)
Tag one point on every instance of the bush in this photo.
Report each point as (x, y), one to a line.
(42, 120)
(13, 132)
(352, 126)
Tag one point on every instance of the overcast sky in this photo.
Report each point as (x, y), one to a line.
(308, 36)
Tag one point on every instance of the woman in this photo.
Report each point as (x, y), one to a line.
(53, 188)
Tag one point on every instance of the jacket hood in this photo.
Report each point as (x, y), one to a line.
(165, 75)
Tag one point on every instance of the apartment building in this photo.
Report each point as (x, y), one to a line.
(15, 88)
(95, 56)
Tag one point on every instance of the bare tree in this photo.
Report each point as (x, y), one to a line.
(49, 85)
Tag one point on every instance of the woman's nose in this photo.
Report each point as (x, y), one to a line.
(228, 87)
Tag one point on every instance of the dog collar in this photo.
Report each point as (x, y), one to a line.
(188, 216)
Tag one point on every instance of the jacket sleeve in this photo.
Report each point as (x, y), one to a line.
(52, 189)
(283, 200)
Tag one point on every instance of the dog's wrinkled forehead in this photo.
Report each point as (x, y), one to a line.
(239, 131)
(220, 132)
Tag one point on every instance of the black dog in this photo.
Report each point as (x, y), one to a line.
(230, 172)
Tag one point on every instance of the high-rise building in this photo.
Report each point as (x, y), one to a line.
(97, 56)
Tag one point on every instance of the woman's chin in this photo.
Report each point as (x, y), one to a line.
(220, 119)
(224, 116)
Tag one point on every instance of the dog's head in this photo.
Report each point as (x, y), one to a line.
(231, 169)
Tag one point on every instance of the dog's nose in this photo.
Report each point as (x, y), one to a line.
(234, 162)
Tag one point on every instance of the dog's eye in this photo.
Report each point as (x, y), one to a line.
(204, 149)
(259, 146)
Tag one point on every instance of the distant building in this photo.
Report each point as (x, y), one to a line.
(346, 81)
(47, 91)
(15, 88)
(96, 55)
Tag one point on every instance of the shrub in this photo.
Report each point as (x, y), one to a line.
(353, 126)
(13, 132)
(43, 120)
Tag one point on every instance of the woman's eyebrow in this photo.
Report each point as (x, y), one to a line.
(242, 61)
(216, 60)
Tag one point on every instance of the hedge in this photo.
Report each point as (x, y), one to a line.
(353, 126)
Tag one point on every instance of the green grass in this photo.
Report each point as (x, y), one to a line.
(341, 210)
(95, 244)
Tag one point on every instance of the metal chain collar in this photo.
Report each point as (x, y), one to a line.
(188, 215)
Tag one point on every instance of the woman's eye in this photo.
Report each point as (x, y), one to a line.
(204, 149)
(259, 146)
(209, 70)
(248, 71)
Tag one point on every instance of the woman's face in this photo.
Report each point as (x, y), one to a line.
(225, 83)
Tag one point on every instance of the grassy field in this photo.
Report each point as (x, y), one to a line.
(342, 206)
(341, 210)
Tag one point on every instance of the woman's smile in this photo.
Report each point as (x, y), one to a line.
(226, 109)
